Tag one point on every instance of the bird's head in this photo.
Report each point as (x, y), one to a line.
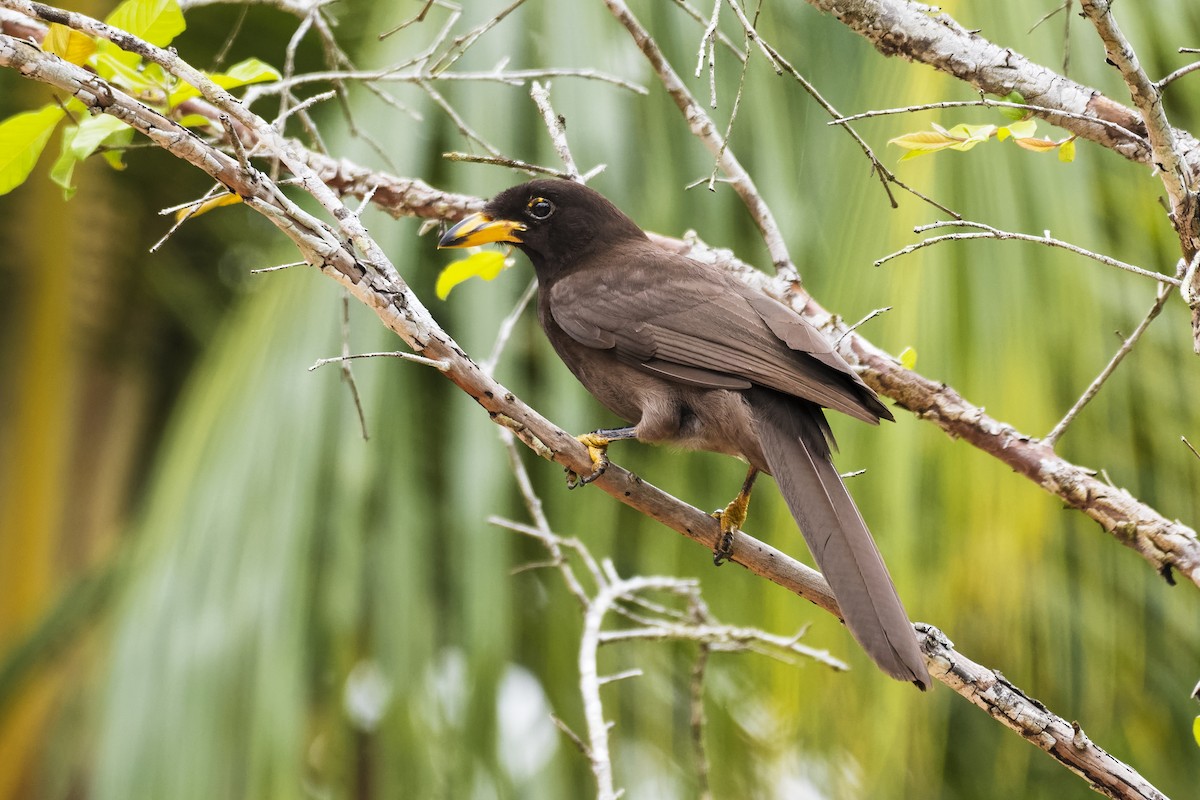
(553, 221)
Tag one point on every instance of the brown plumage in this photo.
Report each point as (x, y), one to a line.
(691, 356)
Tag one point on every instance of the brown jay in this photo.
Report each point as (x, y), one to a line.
(691, 356)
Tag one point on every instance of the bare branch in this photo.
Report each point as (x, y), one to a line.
(1166, 150)
(701, 126)
(886, 177)
(556, 126)
(1176, 75)
(1013, 708)
(929, 35)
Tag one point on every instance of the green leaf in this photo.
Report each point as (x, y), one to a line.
(908, 358)
(1066, 151)
(156, 21)
(80, 141)
(64, 166)
(1014, 113)
(485, 264)
(22, 139)
(115, 158)
(92, 133)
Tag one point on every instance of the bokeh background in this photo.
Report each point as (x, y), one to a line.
(212, 587)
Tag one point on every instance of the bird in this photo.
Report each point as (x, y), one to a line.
(691, 356)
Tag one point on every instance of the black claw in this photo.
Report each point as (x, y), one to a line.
(574, 480)
(724, 549)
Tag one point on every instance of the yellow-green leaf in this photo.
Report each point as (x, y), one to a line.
(80, 141)
(1019, 130)
(970, 133)
(485, 264)
(156, 21)
(923, 140)
(1196, 730)
(92, 131)
(1066, 151)
(1037, 145)
(252, 70)
(115, 65)
(908, 358)
(22, 139)
(207, 206)
(194, 120)
(922, 143)
(68, 44)
(115, 157)
(961, 137)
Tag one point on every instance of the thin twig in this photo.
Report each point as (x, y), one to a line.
(984, 102)
(1160, 300)
(886, 177)
(437, 364)
(419, 17)
(860, 323)
(556, 126)
(570, 734)
(502, 161)
(347, 372)
(507, 325)
(721, 37)
(279, 267)
(696, 719)
(733, 112)
(988, 232)
(702, 127)
(193, 208)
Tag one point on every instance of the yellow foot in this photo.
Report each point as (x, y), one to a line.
(732, 517)
(598, 450)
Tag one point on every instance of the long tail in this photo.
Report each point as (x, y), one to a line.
(792, 435)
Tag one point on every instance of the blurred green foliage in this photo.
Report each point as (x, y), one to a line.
(290, 611)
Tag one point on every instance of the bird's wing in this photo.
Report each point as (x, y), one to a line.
(714, 333)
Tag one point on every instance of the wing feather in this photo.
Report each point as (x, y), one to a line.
(719, 333)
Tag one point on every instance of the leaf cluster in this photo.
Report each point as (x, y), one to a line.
(24, 136)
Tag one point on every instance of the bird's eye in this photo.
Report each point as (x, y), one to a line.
(539, 208)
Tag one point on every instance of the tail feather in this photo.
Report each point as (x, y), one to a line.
(793, 442)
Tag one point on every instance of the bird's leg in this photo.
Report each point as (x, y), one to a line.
(597, 444)
(732, 518)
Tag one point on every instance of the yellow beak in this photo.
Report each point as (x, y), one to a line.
(480, 229)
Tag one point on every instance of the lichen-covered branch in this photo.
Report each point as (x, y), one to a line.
(928, 35)
(1005, 702)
